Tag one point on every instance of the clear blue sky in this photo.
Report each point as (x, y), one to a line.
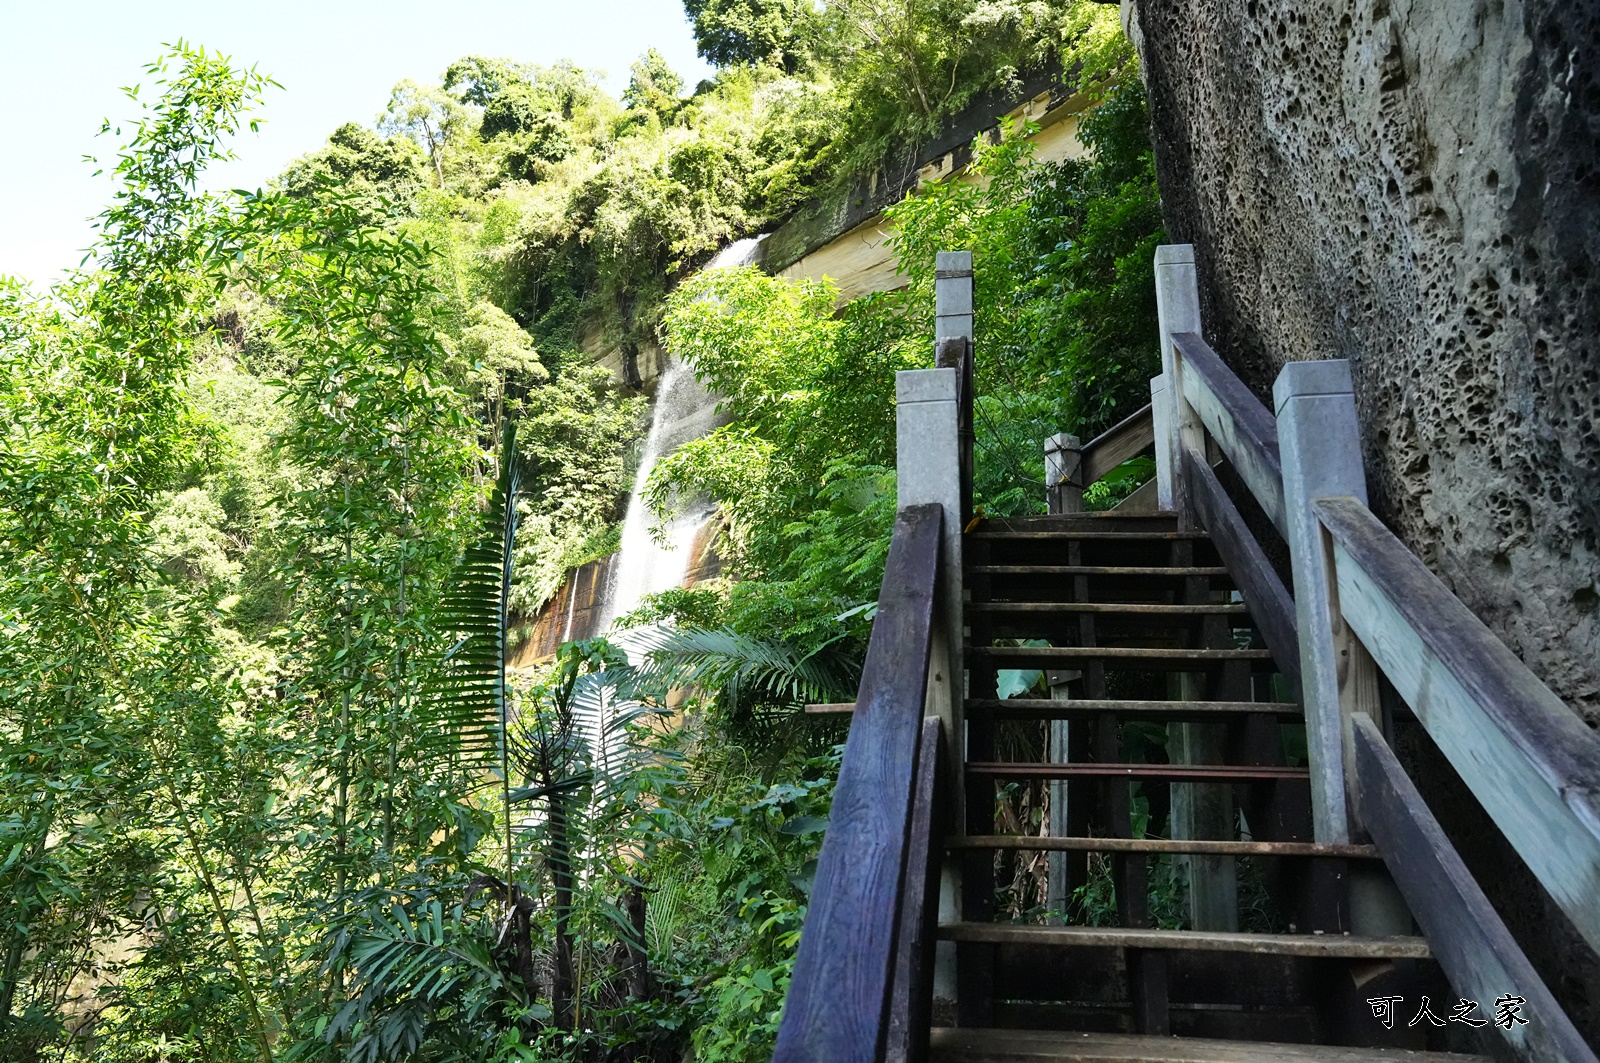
(62, 62)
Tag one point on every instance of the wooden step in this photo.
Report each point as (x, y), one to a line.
(1179, 660)
(1130, 609)
(1163, 571)
(947, 1045)
(1037, 843)
(1316, 946)
(1081, 534)
(1085, 522)
(1048, 709)
(1219, 773)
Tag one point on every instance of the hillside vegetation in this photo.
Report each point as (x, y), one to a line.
(278, 470)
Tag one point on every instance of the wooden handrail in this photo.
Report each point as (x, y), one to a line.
(1244, 428)
(1265, 596)
(1527, 758)
(838, 1005)
(1479, 956)
(1364, 604)
(1117, 444)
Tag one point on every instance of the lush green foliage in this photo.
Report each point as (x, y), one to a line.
(1065, 341)
(1065, 329)
(253, 801)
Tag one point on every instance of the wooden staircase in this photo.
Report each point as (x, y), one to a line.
(1192, 840)
(1152, 655)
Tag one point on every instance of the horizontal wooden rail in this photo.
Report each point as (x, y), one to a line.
(1324, 946)
(1527, 758)
(1244, 428)
(1468, 938)
(1117, 444)
(838, 1004)
(1158, 846)
(1268, 599)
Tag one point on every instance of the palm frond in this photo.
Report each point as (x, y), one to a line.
(742, 669)
(467, 692)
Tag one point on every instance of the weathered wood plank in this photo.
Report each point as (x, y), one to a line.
(1117, 444)
(1106, 769)
(831, 707)
(838, 1000)
(1039, 535)
(1264, 593)
(1470, 941)
(1048, 843)
(1167, 571)
(1060, 1046)
(1042, 709)
(1153, 656)
(1244, 428)
(1326, 946)
(1527, 758)
(1111, 608)
(911, 995)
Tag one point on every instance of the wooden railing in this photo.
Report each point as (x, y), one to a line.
(859, 990)
(863, 980)
(1362, 604)
(1071, 467)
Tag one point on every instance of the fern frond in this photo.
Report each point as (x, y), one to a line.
(467, 692)
(740, 668)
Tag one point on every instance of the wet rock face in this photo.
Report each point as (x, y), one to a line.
(1415, 186)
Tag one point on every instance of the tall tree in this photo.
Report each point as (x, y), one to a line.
(427, 115)
(775, 32)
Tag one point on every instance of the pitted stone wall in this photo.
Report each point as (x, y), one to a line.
(1415, 186)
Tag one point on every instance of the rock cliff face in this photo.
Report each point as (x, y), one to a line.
(1414, 185)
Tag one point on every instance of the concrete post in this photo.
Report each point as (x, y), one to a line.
(952, 296)
(928, 471)
(1320, 444)
(1161, 425)
(1198, 811)
(1063, 474)
(1063, 477)
(929, 462)
(1177, 310)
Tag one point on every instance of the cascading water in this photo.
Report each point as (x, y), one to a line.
(683, 410)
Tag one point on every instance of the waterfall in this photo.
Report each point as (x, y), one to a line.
(683, 410)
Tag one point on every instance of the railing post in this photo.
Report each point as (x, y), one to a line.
(953, 349)
(1320, 444)
(928, 470)
(952, 295)
(1177, 310)
(1063, 477)
(1161, 426)
(1063, 474)
(934, 463)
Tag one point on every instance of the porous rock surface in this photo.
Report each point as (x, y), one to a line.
(1415, 186)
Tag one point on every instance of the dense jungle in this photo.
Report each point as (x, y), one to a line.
(285, 473)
